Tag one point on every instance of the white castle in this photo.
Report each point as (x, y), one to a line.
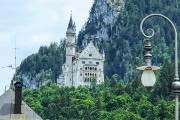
(80, 68)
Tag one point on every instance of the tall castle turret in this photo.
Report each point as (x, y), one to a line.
(81, 67)
(70, 50)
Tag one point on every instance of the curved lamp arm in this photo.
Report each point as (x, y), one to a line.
(151, 34)
(176, 83)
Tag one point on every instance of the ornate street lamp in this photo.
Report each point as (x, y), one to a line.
(148, 77)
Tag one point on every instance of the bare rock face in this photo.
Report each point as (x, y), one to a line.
(103, 16)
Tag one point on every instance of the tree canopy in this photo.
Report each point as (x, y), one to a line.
(112, 100)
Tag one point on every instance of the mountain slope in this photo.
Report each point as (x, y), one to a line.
(120, 36)
(42, 68)
(114, 25)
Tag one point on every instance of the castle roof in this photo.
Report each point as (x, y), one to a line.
(90, 51)
(7, 108)
(71, 24)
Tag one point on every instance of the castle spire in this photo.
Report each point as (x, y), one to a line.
(70, 25)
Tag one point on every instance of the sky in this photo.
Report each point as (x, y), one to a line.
(29, 24)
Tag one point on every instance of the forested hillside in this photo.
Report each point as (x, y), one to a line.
(43, 67)
(114, 27)
(110, 101)
(121, 38)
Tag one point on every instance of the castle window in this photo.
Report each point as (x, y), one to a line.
(95, 68)
(97, 63)
(90, 55)
(83, 62)
(85, 74)
(80, 68)
(80, 74)
(85, 68)
(90, 68)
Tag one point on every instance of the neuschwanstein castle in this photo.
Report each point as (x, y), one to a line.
(80, 68)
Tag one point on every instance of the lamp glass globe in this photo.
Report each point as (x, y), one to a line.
(148, 78)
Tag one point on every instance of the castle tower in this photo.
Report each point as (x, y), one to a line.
(70, 51)
(83, 67)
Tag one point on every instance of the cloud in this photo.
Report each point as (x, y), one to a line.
(39, 39)
(5, 38)
(33, 23)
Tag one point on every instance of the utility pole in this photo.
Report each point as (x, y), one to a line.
(15, 60)
(15, 67)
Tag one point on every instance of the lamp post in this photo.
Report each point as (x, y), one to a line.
(148, 76)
